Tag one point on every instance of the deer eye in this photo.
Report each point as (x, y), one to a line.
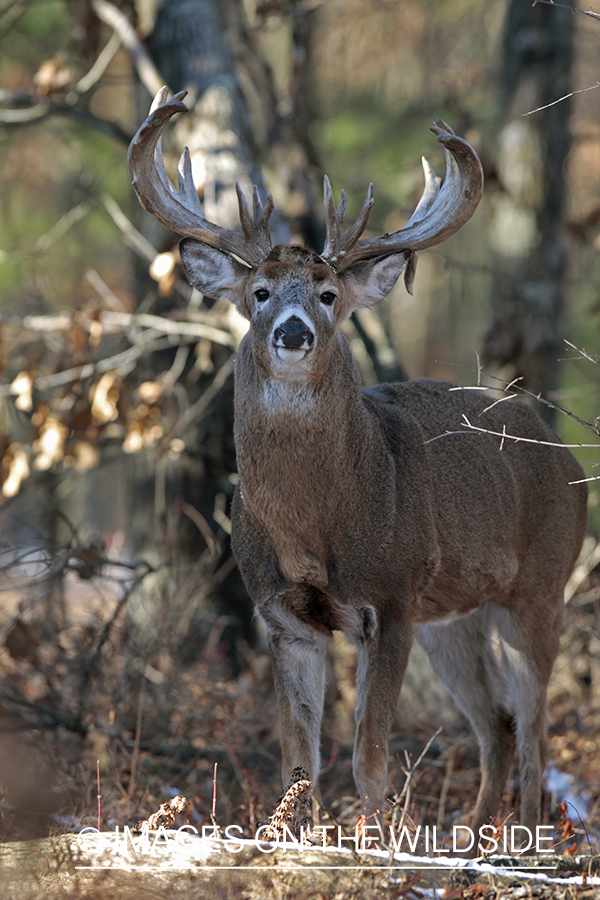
(327, 298)
(261, 294)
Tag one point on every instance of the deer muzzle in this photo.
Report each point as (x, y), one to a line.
(293, 334)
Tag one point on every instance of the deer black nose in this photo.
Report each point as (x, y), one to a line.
(294, 334)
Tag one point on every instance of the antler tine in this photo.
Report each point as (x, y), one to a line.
(359, 226)
(336, 242)
(332, 223)
(256, 227)
(162, 96)
(262, 215)
(182, 211)
(441, 210)
(245, 218)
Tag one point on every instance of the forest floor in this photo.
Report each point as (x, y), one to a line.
(197, 730)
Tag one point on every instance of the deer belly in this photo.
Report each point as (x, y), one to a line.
(460, 586)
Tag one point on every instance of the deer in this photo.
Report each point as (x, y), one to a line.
(368, 510)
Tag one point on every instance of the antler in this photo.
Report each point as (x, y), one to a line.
(182, 211)
(441, 211)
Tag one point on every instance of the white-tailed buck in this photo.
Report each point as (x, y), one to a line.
(346, 516)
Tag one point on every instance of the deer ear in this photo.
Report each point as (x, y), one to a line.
(370, 281)
(214, 272)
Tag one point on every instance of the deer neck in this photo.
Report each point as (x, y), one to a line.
(293, 419)
(299, 448)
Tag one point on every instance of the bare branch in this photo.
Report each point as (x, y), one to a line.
(23, 116)
(194, 413)
(39, 109)
(505, 386)
(587, 562)
(516, 438)
(121, 362)
(11, 12)
(60, 228)
(134, 238)
(495, 403)
(95, 281)
(584, 355)
(573, 11)
(47, 240)
(168, 326)
(105, 57)
(114, 18)
(560, 99)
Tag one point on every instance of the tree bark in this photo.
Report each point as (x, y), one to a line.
(524, 337)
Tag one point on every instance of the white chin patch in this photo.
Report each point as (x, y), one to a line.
(289, 355)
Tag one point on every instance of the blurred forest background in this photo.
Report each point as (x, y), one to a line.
(125, 631)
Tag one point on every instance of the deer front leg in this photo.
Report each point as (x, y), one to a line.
(297, 648)
(383, 656)
(298, 660)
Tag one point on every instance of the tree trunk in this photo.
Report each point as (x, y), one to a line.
(524, 337)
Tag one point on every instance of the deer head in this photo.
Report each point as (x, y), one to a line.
(295, 298)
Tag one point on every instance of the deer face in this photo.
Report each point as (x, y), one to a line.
(294, 300)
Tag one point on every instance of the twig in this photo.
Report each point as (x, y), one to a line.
(104, 59)
(46, 107)
(99, 795)
(514, 437)
(60, 228)
(213, 811)
(478, 367)
(573, 10)
(138, 735)
(588, 560)
(47, 240)
(92, 664)
(133, 237)
(136, 240)
(194, 413)
(504, 386)
(120, 361)
(115, 321)
(560, 99)
(496, 402)
(214, 800)
(168, 326)
(95, 281)
(23, 116)
(584, 355)
(204, 528)
(406, 791)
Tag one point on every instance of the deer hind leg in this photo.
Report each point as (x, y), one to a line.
(298, 660)
(461, 654)
(529, 647)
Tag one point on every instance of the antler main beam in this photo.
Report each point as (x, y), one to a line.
(182, 211)
(442, 210)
